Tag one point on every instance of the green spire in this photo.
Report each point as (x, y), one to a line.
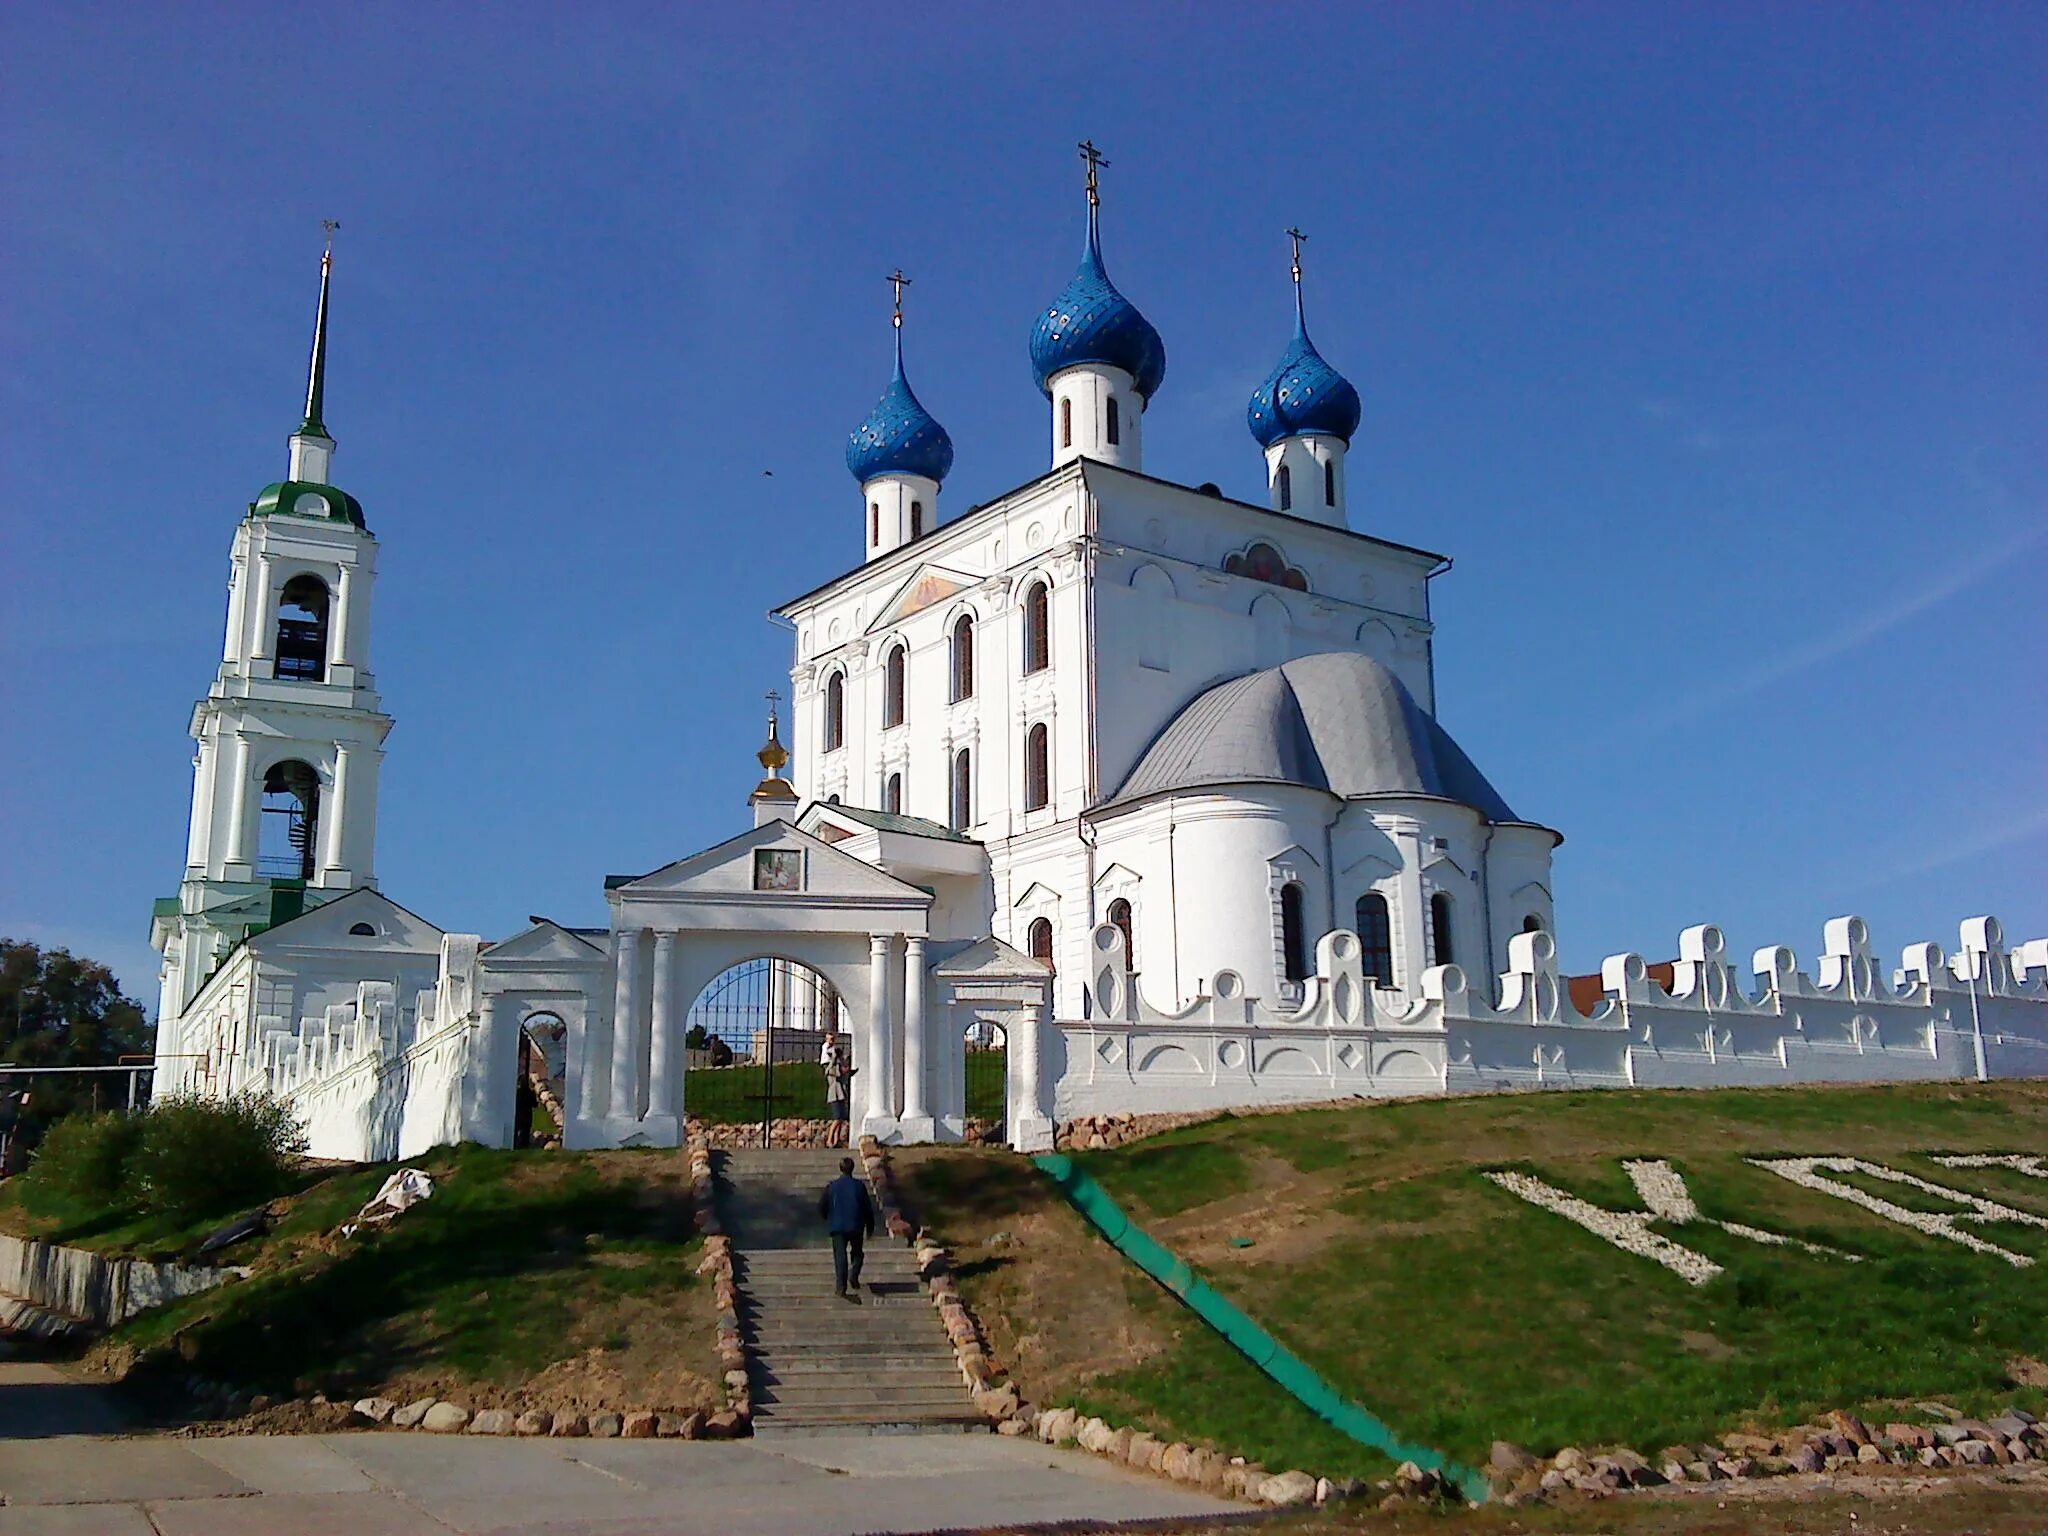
(316, 373)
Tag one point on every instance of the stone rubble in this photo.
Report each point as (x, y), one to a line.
(1842, 1440)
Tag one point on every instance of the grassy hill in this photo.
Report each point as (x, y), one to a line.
(1369, 1241)
(566, 1279)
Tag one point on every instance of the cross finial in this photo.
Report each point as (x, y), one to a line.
(773, 755)
(1096, 160)
(899, 282)
(328, 227)
(1294, 267)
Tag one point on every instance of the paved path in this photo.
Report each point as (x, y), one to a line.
(394, 1484)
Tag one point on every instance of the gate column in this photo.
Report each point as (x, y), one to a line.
(917, 1123)
(662, 1054)
(879, 1068)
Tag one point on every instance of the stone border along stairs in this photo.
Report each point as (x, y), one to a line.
(815, 1361)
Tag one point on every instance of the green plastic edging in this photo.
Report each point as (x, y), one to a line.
(1292, 1374)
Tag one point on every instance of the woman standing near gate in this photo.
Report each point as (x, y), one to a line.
(839, 1073)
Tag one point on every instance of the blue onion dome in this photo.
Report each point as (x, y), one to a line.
(1303, 397)
(900, 437)
(1090, 322)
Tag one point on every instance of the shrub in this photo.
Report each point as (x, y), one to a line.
(85, 1160)
(206, 1157)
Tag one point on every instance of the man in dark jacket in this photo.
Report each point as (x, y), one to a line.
(849, 1215)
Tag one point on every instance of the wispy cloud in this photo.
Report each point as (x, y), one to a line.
(1943, 848)
(1860, 631)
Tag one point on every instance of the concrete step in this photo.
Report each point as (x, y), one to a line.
(910, 1371)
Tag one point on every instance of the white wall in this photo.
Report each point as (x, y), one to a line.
(1982, 1014)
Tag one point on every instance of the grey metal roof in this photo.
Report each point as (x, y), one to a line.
(1338, 722)
(892, 821)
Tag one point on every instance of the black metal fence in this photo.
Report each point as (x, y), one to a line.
(754, 1044)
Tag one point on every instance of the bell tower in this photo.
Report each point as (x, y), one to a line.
(290, 736)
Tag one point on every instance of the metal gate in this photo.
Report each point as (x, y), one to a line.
(753, 1042)
(987, 1064)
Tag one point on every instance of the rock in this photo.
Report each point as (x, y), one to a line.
(1570, 1459)
(1851, 1428)
(410, 1415)
(1057, 1427)
(736, 1379)
(681, 1426)
(1974, 1453)
(1912, 1436)
(1737, 1466)
(1674, 1471)
(1325, 1490)
(1552, 1481)
(492, 1421)
(1092, 1434)
(605, 1426)
(1174, 1462)
(1750, 1445)
(1870, 1454)
(1929, 1456)
(2008, 1426)
(638, 1426)
(1808, 1458)
(1287, 1489)
(534, 1421)
(568, 1426)
(1508, 1460)
(1013, 1427)
(445, 1418)
(377, 1410)
(1950, 1434)
(723, 1425)
(1702, 1472)
(261, 1401)
(1938, 1411)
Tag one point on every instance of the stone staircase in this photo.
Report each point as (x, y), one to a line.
(818, 1362)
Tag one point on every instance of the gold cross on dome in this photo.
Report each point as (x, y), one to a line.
(899, 282)
(1096, 160)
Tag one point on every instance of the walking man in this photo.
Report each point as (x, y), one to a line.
(849, 1215)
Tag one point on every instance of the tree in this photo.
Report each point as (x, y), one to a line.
(58, 1009)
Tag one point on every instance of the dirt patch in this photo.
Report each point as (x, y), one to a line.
(1052, 1297)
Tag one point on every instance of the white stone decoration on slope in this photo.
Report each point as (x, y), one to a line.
(2033, 1164)
(1807, 1173)
(1663, 1193)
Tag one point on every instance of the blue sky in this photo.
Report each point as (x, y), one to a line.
(1708, 339)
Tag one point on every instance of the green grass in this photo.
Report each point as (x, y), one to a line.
(732, 1095)
(518, 1261)
(1461, 1314)
(124, 1230)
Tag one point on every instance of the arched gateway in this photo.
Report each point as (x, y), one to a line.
(787, 903)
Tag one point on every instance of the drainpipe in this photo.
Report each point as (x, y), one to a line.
(1486, 911)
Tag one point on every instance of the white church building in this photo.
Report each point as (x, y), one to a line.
(1146, 782)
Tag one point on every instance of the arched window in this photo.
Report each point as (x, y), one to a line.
(361, 931)
(963, 657)
(1037, 628)
(892, 795)
(917, 519)
(835, 712)
(1120, 915)
(893, 688)
(288, 843)
(1440, 930)
(1113, 428)
(1533, 923)
(874, 522)
(1037, 769)
(1329, 482)
(1294, 931)
(1285, 481)
(302, 630)
(963, 790)
(1376, 938)
(1040, 939)
(1067, 422)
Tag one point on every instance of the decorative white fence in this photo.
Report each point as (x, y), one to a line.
(1979, 1014)
(371, 1080)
